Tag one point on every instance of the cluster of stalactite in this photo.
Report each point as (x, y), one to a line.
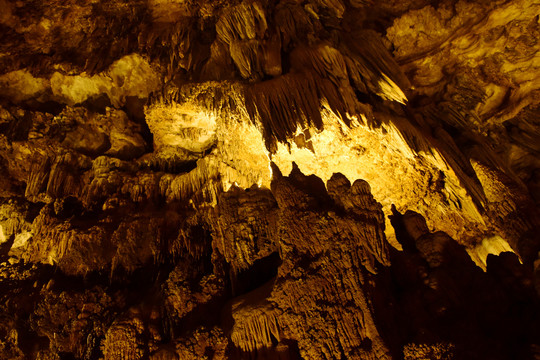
(145, 210)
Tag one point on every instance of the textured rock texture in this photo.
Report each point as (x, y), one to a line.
(259, 179)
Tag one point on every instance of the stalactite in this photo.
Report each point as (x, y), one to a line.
(39, 176)
(146, 205)
(242, 22)
(170, 44)
(255, 332)
(181, 187)
(287, 102)
(293, 23)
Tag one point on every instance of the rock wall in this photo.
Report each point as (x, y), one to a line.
(319, 179)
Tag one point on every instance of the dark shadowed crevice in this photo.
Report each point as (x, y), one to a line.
(257, 274)
(19, 127)
(50, 107)
(98, 103)
(174, 167)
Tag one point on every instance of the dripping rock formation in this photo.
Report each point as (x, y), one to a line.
(269, 179)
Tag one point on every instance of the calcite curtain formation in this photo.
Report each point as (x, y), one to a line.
(269, 179)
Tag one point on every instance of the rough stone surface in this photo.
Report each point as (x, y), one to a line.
(260, 179)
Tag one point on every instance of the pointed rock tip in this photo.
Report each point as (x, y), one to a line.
(276, 173)
(338, 180)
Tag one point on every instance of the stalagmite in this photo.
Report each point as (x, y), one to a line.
(269, 179)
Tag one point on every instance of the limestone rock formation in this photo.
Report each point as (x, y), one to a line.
(269, 179)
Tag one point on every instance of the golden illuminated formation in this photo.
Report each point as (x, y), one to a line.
(269, 179)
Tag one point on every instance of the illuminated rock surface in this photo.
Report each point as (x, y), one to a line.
(319, 179)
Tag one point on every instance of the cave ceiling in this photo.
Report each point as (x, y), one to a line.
(265, 179)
